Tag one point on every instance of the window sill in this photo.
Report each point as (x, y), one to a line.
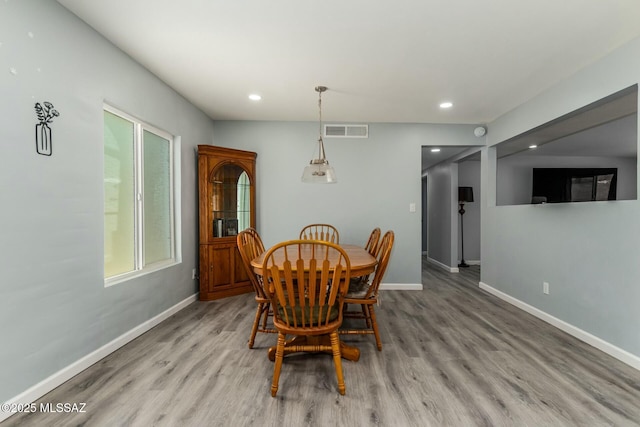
(126, 277)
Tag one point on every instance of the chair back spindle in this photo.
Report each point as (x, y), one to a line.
(324, 232)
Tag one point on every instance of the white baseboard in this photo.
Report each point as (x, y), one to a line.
(443, 266)
(401, 286)
(45, 386)
(616, 352)
(472, 262)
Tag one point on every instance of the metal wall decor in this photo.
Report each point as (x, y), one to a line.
(44, 142)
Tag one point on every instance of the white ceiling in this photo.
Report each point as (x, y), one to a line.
(617, 138)
(382, 61)
(430, 158)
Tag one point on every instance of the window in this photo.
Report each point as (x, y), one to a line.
(139, 207)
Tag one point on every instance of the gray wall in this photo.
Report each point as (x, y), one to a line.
(378, 178)
(588, 252)
(444, 236)
(442, 180)
(515, 174)
(469, 176)
(54, 307)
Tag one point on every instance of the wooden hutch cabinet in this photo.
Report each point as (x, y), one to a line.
(227, 205)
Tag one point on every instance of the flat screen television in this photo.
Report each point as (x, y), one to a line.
(562, 185)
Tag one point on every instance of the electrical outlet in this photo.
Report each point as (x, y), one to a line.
(193, 274)
(545, 288)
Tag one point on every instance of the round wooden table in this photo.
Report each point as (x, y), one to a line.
(362, 263)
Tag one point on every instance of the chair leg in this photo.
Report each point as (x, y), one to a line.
(278, 364)
(366, 315)
(266, 309)
(374, 323)
(337, 360)
(256, 322)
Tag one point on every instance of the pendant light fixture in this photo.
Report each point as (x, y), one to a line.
(319, 171)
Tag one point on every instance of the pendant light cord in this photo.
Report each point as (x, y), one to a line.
(321, 153)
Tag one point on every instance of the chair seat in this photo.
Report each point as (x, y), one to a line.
(358, 287)
(315, 311)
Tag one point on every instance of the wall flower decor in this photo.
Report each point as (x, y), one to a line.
(46, 113)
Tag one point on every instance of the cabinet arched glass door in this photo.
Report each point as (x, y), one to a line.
(244, 202)
(231, 200)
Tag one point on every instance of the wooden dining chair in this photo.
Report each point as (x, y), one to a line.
(307, 295)
(250, 246)
(371, 246)
(325, 232)
(372, 243)
(366, 294)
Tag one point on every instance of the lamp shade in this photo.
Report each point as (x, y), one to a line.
(319, 172)
(465, 194)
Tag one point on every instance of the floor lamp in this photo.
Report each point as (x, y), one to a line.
(465, 195)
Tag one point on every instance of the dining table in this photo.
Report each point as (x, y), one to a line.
(362, 264)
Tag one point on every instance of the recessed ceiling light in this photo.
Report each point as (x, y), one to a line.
(255, 97)
(435, 150)
(533, 146)
(446, 105)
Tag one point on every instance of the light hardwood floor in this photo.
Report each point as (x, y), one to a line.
(452, 355)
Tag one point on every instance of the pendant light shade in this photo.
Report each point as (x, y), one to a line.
(319, 171)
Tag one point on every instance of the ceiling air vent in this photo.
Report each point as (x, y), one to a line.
(346, 131)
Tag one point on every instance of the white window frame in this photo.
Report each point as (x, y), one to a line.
(140, 269)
